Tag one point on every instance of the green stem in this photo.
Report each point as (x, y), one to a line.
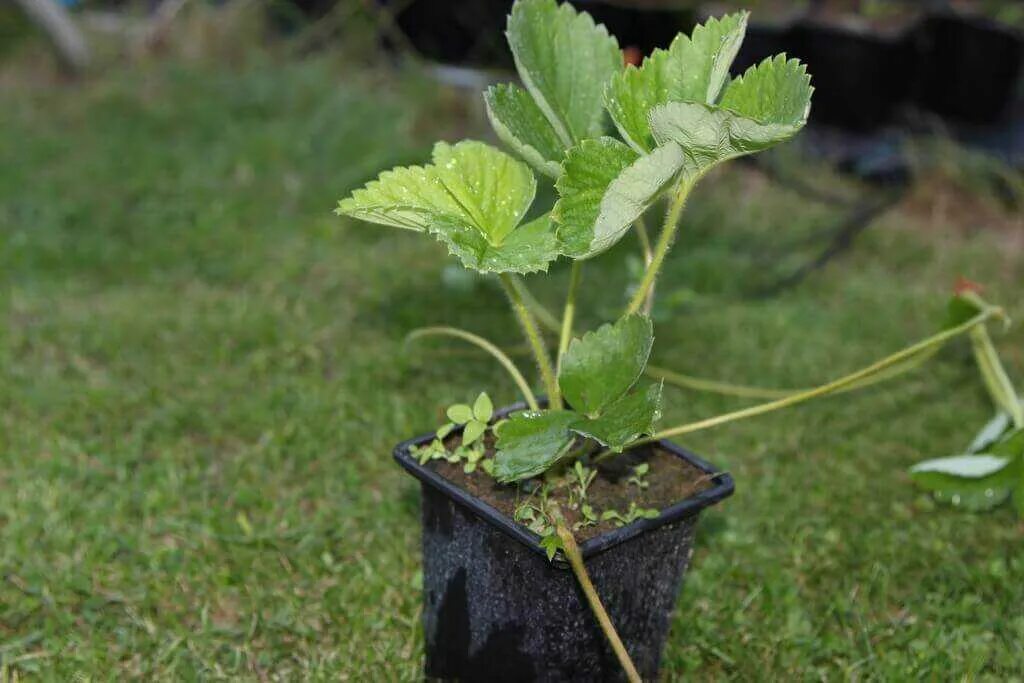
(569, 313)
(897, 359)
(487, 346)
(668, 233)
(713, 386)
(545, 317)
(994, 375)
(535, 341)
(645, 246)
(575, 557)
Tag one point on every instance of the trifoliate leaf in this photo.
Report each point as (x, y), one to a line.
(483, 409)
(473, 431)
(604, 187)
(974, 482)
(765, 106)
(564, 59)
(521, 125)
(551, 543)
(460, 413)
(471, 198)
(602, 365)
(624, 420)
(531, 442)
(693, 69)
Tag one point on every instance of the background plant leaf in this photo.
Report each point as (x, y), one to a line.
(564, 59)
(601, 366)
(625, 419)
(604, 187)
(990, 433)
(531, 442)
(970, 492)
(520, 124)
(693, 69)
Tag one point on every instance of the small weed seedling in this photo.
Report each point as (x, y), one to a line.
(674, 118)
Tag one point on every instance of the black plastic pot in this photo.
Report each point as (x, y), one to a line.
(495, 609)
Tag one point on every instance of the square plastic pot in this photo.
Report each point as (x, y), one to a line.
(495, 609)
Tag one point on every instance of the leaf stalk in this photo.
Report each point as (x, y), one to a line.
(668, 233)
(534, 339)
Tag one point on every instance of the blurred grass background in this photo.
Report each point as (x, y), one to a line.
(202, 374)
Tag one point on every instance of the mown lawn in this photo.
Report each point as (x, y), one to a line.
(203, 373)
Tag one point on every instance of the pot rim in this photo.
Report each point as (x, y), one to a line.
(724, 486)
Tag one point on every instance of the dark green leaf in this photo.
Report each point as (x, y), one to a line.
(604, 187)
(521, 125)
(974, 482)
(602, 365)
(564, 59)
(531, 442)
(624, 420)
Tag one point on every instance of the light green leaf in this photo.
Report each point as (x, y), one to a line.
(693, 69)
(412, 198)
(551, 543)
(471, 198)
(979, 486)
(531, 442)
(444, 430)
(602, 365)
(473, 431)
(483, 409)
(765, 106)
(521, 125)
(460, 413)
(564, 59)
(624, 420)
(494, 189)
(604, 187)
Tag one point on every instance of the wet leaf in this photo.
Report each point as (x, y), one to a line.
(624, 420)
(531, 442)
(602, 365)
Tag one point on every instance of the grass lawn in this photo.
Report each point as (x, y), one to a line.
(202, 373)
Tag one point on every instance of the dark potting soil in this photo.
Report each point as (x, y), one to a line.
(669, 480)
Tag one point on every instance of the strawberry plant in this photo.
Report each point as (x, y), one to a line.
(619, 142)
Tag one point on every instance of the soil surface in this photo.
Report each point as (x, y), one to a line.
(670, 479)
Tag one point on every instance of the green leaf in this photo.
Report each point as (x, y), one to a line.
(973, 482)
(963, 466)
(604, 187)
(494, 189)
(444, 430)
(551, 543)
(1009, 446)
(483, 409)
(564, 59)
(693, 69)
(520, 124)
(602, 365)
(471, 198)
(473, 431)
(625, 420)
(767, 105)
(531, 442)
(990, 433)
(529, 249)
(460, 413)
